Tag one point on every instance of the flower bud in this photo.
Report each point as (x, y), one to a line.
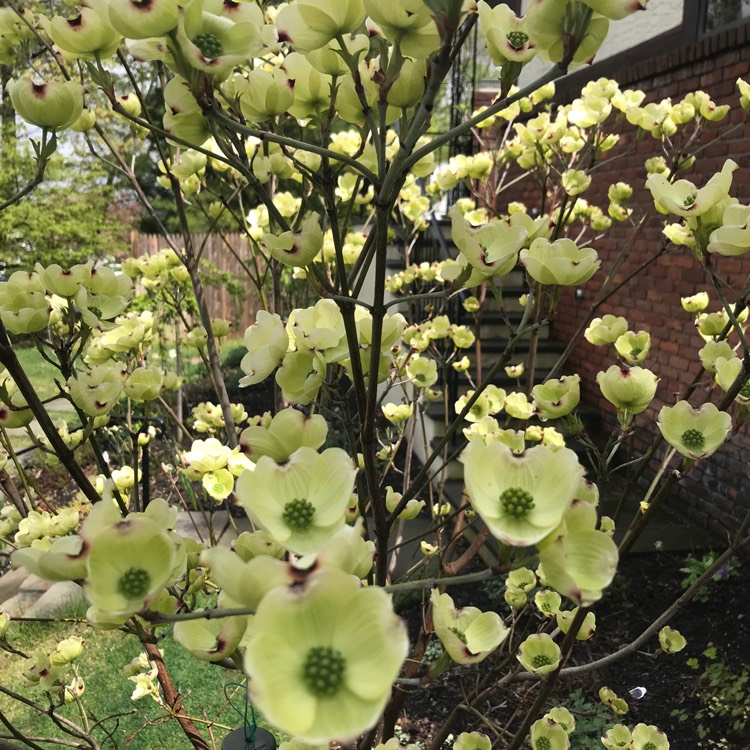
(296, 248)
(144, 384)
(86, 34)
(55, 105)
(136, 19)
(631, 390)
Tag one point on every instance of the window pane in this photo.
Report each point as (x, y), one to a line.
(724, 12)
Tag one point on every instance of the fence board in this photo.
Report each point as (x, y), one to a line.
(240, 310)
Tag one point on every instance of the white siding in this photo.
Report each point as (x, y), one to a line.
(659, 16)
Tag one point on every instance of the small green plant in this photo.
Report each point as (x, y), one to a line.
(724, 694)
(494, 589)
(695, 567)
(433, 651)
(593, 719)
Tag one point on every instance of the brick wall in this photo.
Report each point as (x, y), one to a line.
(714, 493)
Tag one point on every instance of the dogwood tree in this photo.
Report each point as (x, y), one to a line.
(307, 124)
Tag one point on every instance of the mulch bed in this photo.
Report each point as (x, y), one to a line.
(675, 693)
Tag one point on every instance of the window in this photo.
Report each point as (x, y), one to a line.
(720, 13)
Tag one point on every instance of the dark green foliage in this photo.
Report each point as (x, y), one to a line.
(72, 217)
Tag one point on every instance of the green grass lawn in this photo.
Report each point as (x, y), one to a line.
(141, 725)
(41, 373)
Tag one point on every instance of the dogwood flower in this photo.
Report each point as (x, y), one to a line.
(695, 433)
(397, 413)
(605, 330)
(471, 741)
(55, 105)
(633, 347)
(733, 236)
(616, 9)
(267, 342)
(302, 502)
(468, 634)
(121, 580)
(539, 654)
(13, 407)
(671, 641)
(649, 737)
(144, 384)
(547, 602)
(579, 561)
(561, 262)
(492, 249)
(24, 307)
(301, 376)
(507, 39)
(685, 199)
(631, 389)
(406, 23)
(288, 430)
(211, 640)
(98, 390)
(309, 674)
(547, 734)
(564, 619)
(64, 283)
(213, 43)
(546, 25)
(296, 248)
(521, 498)
(264, 95)
(617, 738)
(560, 715)
(135, 19)
(85, 34)
(308, 26)
(696, 303)
(556, 398)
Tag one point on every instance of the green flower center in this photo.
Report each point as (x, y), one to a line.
(324, 668)
(298, 514)
(635, 351)
(540, 660)
(134, 583)
(689, 200)
(745, 390)
(517, 39)
(693, 439)
(461, 636)
(516, 502)
(209, 45)
(649, 746)
(542, 743)
(476, 410)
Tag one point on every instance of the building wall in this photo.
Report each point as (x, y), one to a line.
(715, 492)
(661, 16)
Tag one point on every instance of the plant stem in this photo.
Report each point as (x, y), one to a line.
(173, 698)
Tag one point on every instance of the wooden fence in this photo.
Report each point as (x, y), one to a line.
(222, 252)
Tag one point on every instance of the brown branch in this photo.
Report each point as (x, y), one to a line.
(173, 699)
(10, 489)
(10, 360)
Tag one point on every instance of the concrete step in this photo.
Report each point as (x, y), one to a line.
(11, 582)
(30, 590)
(63, 597)
(494, 326)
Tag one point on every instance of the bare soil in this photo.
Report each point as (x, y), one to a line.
(676, 697)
